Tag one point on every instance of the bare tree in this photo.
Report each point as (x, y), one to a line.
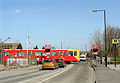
(111, 33)
(96, 38)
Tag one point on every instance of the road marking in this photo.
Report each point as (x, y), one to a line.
(48, 75)
(57, 74)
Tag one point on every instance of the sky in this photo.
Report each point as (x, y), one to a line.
(55, 21)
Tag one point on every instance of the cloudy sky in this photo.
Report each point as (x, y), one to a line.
(55, 21)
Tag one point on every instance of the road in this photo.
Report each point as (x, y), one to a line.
(73, 73)
(80, 73)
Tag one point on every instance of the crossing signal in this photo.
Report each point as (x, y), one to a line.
(47, 50)
(95, 49)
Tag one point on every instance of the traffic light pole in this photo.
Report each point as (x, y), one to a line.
(115, 54)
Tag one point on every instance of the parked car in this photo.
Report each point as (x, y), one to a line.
(61, 62)
(50, 63)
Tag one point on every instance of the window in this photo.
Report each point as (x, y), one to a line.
(31, 53)
(75, 53)
(63, 53)
(70, 53)
(47, 50)
(59, 53)
(10, 46)
(44, 53)
(3, 46)
(54, 53)
(20, 53)
(48, 60)
(37, 53)
(7, 54)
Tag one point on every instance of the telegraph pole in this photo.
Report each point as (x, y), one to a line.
(61, 45)
(28, 46)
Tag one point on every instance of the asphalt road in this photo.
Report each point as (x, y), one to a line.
(73, 73)
(80, 73)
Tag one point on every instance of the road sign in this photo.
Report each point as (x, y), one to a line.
(95, 49)
(47, 46)
(115, 41)
(96, 53)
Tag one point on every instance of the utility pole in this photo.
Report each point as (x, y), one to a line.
(86, 48)
(61, 45)
(28, 46)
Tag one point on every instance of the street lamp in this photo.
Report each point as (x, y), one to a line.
(105, 33)
(2, 49)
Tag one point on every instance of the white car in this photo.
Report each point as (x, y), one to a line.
(82, 57)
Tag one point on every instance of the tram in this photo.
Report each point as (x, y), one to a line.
(42, 54)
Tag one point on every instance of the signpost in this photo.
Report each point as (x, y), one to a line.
(115, 42)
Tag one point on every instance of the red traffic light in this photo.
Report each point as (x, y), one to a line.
(95, 49)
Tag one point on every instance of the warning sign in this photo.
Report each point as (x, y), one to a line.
(115, 41)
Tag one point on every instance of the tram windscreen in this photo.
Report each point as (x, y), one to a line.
(47, 50)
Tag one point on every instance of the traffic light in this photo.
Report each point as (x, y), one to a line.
(95, 49)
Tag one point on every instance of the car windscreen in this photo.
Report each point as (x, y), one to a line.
(82, 56)
(47, 60)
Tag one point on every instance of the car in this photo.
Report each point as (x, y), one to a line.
(50, 63)
(82, 57)
(61, 62)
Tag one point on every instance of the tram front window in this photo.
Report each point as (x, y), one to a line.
(47, 50)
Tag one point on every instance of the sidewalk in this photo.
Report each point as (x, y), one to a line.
(112, 66)
(20, 71)
(106, 75)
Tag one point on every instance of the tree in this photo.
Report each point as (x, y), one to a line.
(43, 47)
(19, 46)
(36, 47)
(112, 32)
(96, 39)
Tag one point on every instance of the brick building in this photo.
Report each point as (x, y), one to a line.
(9, 45)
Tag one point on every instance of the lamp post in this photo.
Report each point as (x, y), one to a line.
(105, 33)
(2, 50)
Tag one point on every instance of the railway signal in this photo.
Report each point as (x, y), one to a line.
(95, 49)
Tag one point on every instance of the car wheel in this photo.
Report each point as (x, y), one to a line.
(54, 68)
(64, 65)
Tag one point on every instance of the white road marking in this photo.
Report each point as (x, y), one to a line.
(48, 75)
(56, 74)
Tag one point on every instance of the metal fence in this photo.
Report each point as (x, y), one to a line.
(22, 62)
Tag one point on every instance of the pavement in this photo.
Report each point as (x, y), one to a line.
(112, 66)
(106, 74)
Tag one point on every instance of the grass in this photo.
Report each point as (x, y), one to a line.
(117, 59)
